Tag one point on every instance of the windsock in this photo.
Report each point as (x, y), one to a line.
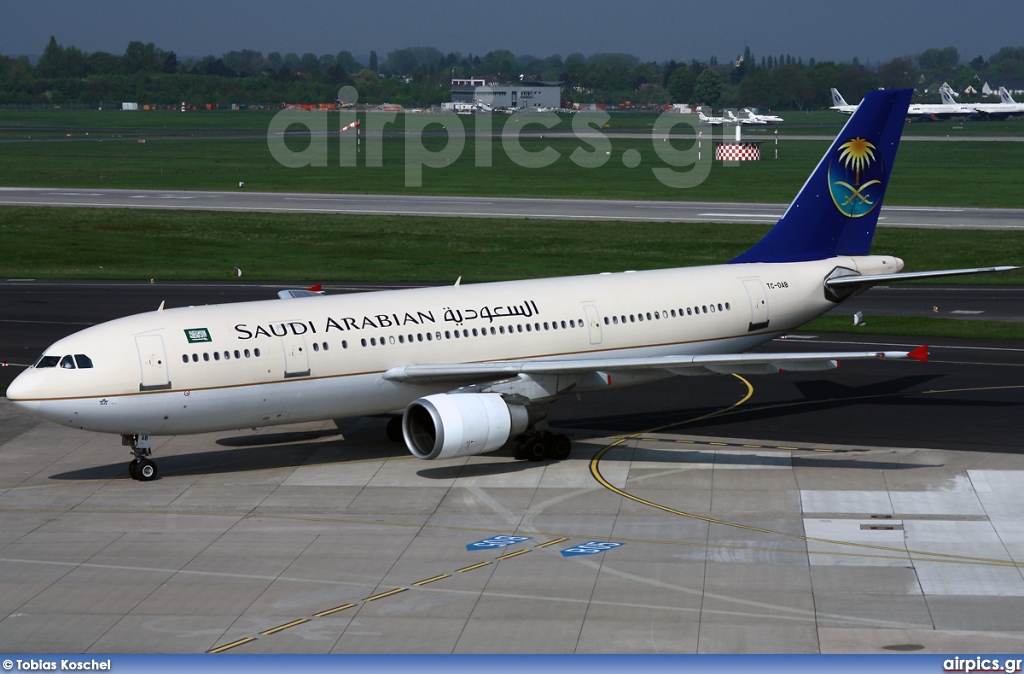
(353, 125)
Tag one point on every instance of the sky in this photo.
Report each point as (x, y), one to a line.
(653, 30)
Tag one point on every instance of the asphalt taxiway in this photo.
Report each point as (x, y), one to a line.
(872, 508)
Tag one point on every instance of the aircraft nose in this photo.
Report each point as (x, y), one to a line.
(20, 391)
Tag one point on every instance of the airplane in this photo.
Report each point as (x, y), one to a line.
(924, 111)
(1006, 108)
(470, 368)
(761, 119)
(840, 104)
(733, 119)
(948, 109)
(713, 121)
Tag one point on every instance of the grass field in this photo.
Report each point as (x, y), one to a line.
(912, 326)
(123, 244)
(926, 173)
(141, 244)
(16, 122)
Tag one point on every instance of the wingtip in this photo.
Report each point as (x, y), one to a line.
(920, 353)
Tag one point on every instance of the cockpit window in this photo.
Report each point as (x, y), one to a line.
(67, 362)
(83, 361)
(48, 361)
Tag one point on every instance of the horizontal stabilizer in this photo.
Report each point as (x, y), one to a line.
(876, 279)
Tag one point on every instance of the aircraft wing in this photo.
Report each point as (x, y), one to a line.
(729, 363)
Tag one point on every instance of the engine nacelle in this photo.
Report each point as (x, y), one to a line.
(447, 425)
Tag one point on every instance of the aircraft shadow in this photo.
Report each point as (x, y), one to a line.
(816, 395)
(251, 453)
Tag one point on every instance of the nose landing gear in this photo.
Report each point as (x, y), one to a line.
(141, 468)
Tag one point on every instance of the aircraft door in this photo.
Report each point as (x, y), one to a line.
(759, 317)
(296, 356)
(593, 323)
(153, 363)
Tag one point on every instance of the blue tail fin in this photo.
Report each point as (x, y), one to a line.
(837, 209)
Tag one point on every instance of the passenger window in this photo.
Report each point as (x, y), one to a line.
(727, 307)
(326, 346)
(401, 339)
(256, 352)
(246, 352)
(316, 347)
(227, 355)
(237, 355)
(206, 357)
(563, 323)
(83, 361)
(184, 358)
(216, 355)
(195, 357)
(344, 343)
(48, 361)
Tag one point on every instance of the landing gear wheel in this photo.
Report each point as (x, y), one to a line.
(559, 448)
(535, 449)
(133, 467)
(519, 448)
(145, 471)
(394, 430)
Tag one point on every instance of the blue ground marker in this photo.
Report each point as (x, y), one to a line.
(497, 542)
(590, 548)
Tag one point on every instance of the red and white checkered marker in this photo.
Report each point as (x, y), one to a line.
(737, 151)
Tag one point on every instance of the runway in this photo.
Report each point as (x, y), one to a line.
(557, 209)
(873, 508)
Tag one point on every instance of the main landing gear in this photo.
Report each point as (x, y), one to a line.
(141, 468)
(541, 445)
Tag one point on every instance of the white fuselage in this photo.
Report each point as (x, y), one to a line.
(196, 369)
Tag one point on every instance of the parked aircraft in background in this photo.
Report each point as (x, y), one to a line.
(1006, 108)
(839, 104)
(914, 110)
(713, 121)
(471, 367)
(755, 118)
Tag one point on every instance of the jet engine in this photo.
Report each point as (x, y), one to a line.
(447, 425)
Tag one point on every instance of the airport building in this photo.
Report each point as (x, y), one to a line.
(531, 95)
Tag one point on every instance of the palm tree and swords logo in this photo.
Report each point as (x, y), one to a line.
(855, 178)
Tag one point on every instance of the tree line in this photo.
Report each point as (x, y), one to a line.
(421, 76)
